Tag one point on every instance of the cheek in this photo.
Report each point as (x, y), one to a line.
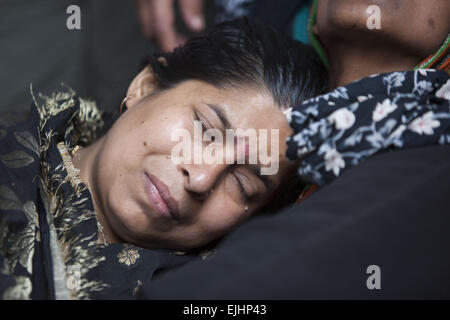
(145, 133)
(154, 129)
(158, 132)
(218, 215)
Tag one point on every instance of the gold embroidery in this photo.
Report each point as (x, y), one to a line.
(63, 212)
(73, 173)
(128, 255)
(66, 211)
(178, 253)
(18, 247)
(136, 289)
(20, 291)
(26, 139)
(8, 199)
(208, 253)
(16, 159)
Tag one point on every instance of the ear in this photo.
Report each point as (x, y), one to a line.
(141, 86)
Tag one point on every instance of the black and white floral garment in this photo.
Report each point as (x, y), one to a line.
(338, 130)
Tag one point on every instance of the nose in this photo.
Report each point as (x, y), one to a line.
(201, 178)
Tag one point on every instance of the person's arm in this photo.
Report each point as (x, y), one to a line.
(157, 20)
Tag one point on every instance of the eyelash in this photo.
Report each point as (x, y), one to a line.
(197, 118)
(244, 194)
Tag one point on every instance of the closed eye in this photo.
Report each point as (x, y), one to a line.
(241, 185)
(198, 117)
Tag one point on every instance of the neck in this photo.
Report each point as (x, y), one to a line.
(84, 160)
(350, 63)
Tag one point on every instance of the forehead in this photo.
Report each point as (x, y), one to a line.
(244, 107)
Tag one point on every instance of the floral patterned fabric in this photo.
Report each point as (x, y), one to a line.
(338, 130)
(49, 245)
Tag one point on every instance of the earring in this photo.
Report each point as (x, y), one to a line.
(123, 103)
(246, 208)
(211, 191)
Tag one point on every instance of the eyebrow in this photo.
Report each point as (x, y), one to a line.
(220, 112)
(255, 168)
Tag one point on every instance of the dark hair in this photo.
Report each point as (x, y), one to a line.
(245, 52)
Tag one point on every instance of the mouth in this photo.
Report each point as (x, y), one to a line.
(159, 197)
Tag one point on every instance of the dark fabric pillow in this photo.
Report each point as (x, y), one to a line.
(391, 211)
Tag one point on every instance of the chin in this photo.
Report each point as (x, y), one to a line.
(126, 226)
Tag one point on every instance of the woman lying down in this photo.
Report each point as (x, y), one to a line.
(87, 214)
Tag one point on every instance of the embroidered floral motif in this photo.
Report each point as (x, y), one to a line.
(16, 159)
(128, 256)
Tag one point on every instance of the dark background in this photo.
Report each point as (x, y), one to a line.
(98, 61)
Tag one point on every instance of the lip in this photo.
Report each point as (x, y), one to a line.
(158, 195)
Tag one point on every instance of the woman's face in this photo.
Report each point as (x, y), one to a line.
(415, 25)
(150, 200)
